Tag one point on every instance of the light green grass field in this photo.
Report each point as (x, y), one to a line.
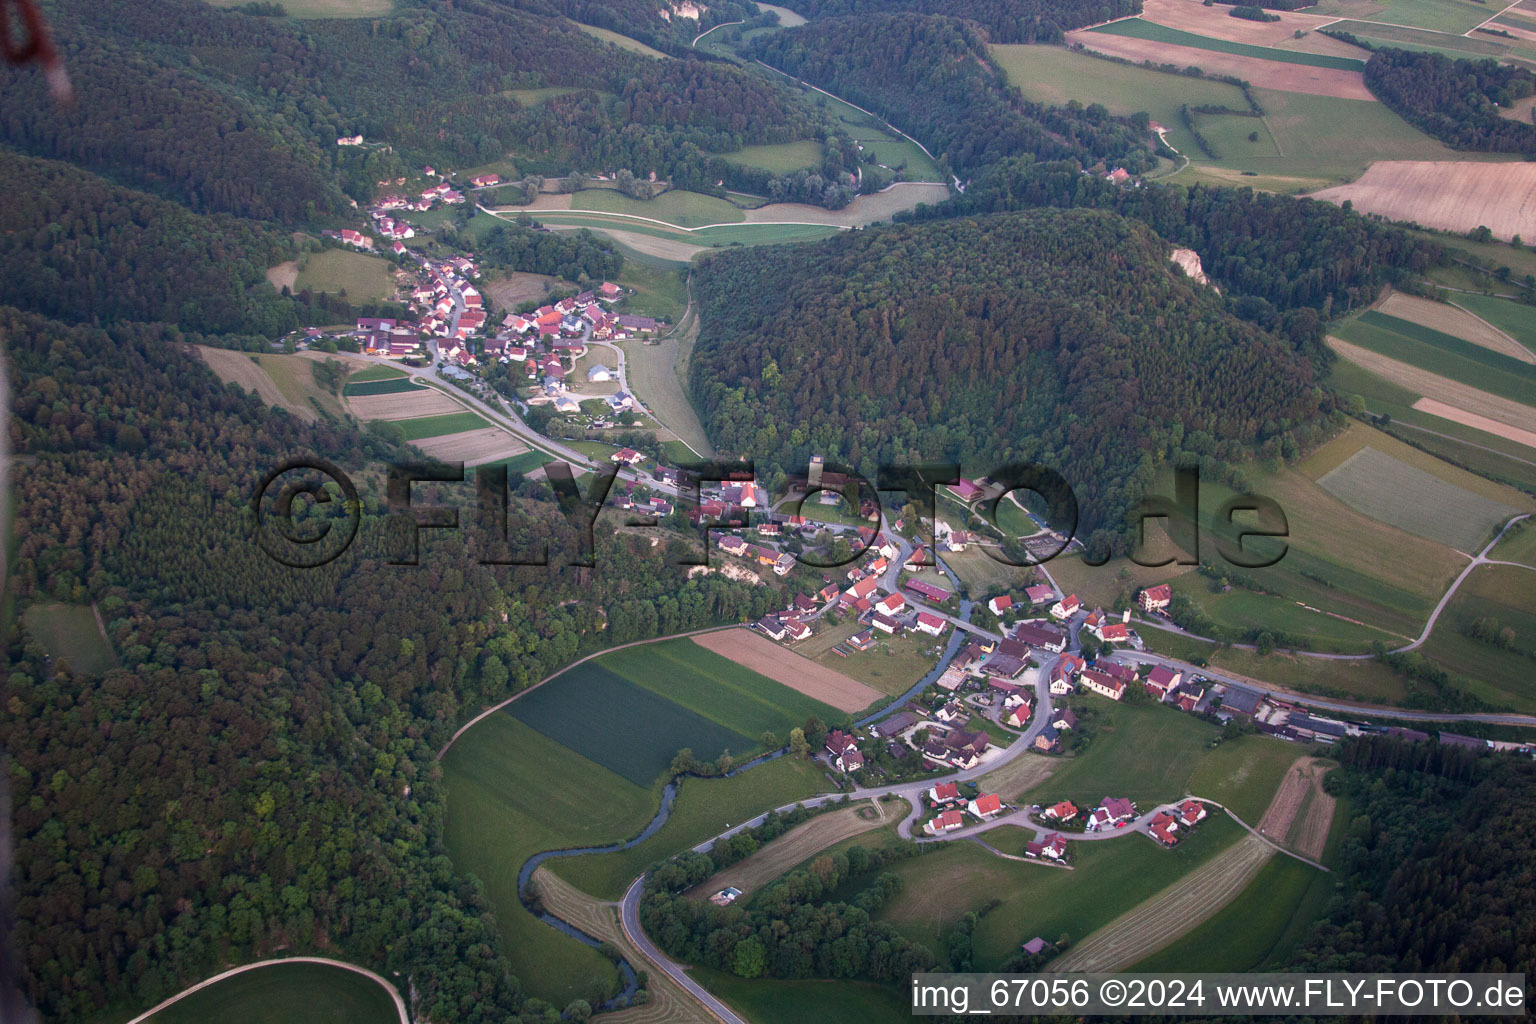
(728, 234)
(69, 632)
(1111, 877)
(1424, 40)
(1243, 774)
(622, 41)
(1439, 353)
(1513, 318)
(513, 792)
(980, 572)
(372, 373)
(780, 158)
(1136, 28)
(892, 665)
(1394, 492)
(396, 385)
(1362, 679)
(364, 278)
(1239, 609)
(1505, 678)
(1145, 753)
(769, 1001)
(658, 292)
(438, 426)
(704, 808)
(300, 993)
(1518, 545)
(872, 134)
(685, 209)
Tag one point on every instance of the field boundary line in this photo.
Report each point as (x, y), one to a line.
(394, 993)
(488, 712)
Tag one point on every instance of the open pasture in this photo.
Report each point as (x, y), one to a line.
(765, 658)
(778, 158)
(620, 725)
(716, 687)
(1170, 914)
(771, 1001)
(1448, 318)
(892, 665)
(1407, 497)
(1441, 353)
(864, 210)
(325, 8)
(1513, 318)
(511, 792)
(362, 277)
(1243, 774)
(1430, 384)
(398, 385)
(437, 426)
(622, 41)
(1424, 40)
(286, 381)
(286, 993)
(1453, 196)
(1449, 412)
(684, 209)
(1261, 71)
(1146, 753)
(70, 633)
(1503, 677)
(473, 447)
(374, 373)
(512, 290)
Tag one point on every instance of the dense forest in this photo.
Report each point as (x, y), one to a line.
(933, 78)
(1005, 21)
(1059, 337)
(1437, 862)
(1457, 100)
(1287, 263)
(530, 249)
(643, 20)
(259, 773)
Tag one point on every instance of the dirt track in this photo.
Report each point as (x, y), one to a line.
(793, 847)
(1430, 385)
(1451, 195)
(1174, 912)
(1265, 74)
(767, 658)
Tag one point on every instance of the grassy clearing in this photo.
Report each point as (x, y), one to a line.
(70, 633)
(621, 725)
(871, 133)
(1250, 932)
(437, 426)
(1111, 878)
(1136, 28)
(685, 209)
(981, 572)
(658, 292)
(779, 158)
(1513, 318)
(375, 372)
(1243, 774)
(511, 793)
(1144, 752)
(703, 809)
(326, 9)
(360, 277)
(527, 462)
(1238, 610)
(1455, 16)
(1376, 483)
(716, 687)
(893, 665)
(765, 1001)
(794, 847)
(1506, 678)
(622, 41)
(300, 993)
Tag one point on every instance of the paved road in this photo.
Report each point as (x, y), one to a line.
(629, 917)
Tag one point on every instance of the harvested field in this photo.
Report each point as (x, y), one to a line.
(512, 290)
(1432, 385)
(767, 658)
(242, 369)
(407, 405)
(1287, 801)
(600, 920)
(1019, 776)
(1309, 831)
(1194, 16)
(647, 245)
(1457, 322)
(863, 210)
(1467, 419)
(1170, 914)
(796, 845)
(1265, 74)
(1457, 196)
(473, 447)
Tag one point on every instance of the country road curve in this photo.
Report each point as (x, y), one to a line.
(394, 993)
(629, 919)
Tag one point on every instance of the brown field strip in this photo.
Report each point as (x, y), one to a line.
(649, 245)
(1277, 820)
(1216, 22)
(1172, 913)
(472, 447)
(1257, 71)
(1308, 834)
(1432, 385)
(1451, 319)
(1453, 196)
(1467, 419)
(767, 658)
(1018, 776)
(601, 920)
(239, 368)
(793, 847)
(403, 405)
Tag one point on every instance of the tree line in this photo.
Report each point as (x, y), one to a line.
(1455, 100)
(1005, 21)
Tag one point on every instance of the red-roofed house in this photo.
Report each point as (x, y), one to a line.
(930, 624)
(944, 793)
(967, 490)
(999, 605)
(1191, 812)
(946, 822)
(1163, 828)
(986, 806)
(1161, 680)
(1153, 599)
(1039, 593)
(1066, 607)
(1064, 811)
(890, 604)
(1102, 683)
(628, 456)
(928, 590)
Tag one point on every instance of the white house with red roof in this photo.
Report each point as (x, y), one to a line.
(1039, 593)
(1164, 827)
(1066, 607)
(944, 793)
(1155, 599)
(627, 457)
(1000, 604)
(1162, 680)
(931, 624)
(1191, 812)
(890, 604)
(948, 821)
(988, 805)
(1101, 683)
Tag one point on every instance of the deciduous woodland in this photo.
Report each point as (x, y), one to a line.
(1060, 337)
(1456, 101)
(1019, 21)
